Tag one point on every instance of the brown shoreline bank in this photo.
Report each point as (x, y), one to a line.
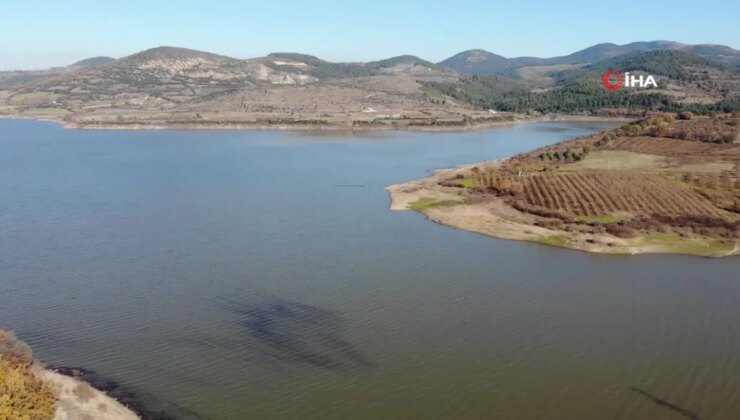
(329, 127)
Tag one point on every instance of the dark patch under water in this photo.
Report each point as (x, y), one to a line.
(295, 332)
(667, 404)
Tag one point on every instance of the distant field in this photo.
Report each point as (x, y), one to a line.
(673, 147)
(31, 97)
(48, 112)
(620, 160)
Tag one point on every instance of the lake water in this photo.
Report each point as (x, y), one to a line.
(260, 274)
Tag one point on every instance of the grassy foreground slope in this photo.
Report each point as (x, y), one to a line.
(668, 183)
(28, 391)
(23, 395)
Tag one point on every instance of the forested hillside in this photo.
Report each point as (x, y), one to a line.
(682, 76)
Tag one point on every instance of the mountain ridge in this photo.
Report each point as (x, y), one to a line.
(485, 62)
(172, 85)
(466, 61)
(686, 81)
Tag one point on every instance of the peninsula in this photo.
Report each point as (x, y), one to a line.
(669, 183)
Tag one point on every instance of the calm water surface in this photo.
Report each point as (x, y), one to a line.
(236, 274)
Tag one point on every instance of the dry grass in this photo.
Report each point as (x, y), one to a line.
(675, 147)
(23, 396)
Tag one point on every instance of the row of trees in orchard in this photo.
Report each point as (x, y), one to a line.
(566, 156)
(501, 182)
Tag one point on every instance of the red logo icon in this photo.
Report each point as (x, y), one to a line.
(610, 75)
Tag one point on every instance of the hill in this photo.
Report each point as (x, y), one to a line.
(92, 62)
(314, 67)
(484, 63)
(686, 81)
(721, 53)
(11, 78)
(408, 65)
(478, 62)
(607, 50)
(170, 86)
(402, 60)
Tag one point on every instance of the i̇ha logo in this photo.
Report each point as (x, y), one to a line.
(615, 79)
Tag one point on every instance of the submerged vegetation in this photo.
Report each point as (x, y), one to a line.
(295, 332)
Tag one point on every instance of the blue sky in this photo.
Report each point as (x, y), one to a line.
(37, 34)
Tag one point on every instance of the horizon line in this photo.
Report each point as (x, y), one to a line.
(236, 57)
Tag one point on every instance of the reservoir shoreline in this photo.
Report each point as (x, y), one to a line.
(329, 127)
